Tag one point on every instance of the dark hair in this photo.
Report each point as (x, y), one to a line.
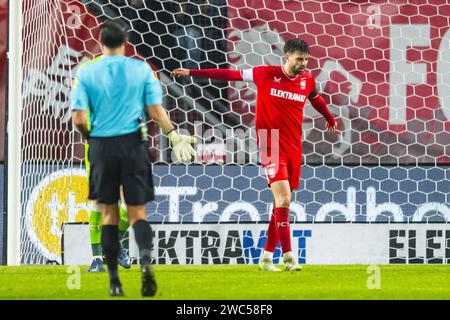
(296, 45)
(113, 34)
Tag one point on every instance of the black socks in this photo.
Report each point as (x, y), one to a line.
(110, 244)
(143, 236)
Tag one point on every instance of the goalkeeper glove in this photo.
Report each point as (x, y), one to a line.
(181, 145)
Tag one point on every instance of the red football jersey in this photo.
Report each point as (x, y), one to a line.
(279, 105)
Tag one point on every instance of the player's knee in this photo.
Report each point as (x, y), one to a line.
(283, 201)
(94, 206)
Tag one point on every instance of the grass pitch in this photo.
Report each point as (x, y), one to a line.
(231, 282)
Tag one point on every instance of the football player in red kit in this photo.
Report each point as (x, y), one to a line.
(281, 95)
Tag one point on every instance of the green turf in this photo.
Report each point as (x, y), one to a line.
(233, 282)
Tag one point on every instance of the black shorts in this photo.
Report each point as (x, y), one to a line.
(116, 161)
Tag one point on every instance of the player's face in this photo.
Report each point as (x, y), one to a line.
(297, 61)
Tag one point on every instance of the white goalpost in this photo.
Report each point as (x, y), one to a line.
(44, 184)
(14, 131)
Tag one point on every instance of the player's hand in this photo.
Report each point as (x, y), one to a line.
(332, 128)
(181, 145)
(180, 73)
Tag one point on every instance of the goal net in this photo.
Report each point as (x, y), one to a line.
(383, 68)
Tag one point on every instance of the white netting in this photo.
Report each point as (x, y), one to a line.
(383, 68)
(48, 140)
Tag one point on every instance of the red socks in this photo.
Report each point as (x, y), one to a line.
(283, 228)
(272, 235)
(279, 229)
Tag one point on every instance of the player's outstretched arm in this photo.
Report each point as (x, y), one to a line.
(217, 74)
(181, 144)
(318, 102)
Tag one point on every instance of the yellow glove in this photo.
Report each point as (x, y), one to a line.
(181, 145)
